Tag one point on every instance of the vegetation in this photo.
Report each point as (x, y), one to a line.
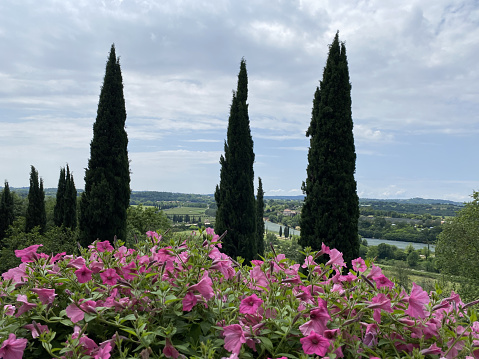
(234, 195)
(106, 198)
(65, 211)
(330, 211)
(36, 213)
(259, 218)
(7, 214)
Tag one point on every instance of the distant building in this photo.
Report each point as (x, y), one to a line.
(289, 213)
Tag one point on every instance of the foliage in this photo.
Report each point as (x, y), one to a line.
(330, 212)
(143, 219)
(457, 248)
(178, 297)
(7, 214)
(259, 218)
(65, 211)
(234, 195)
(106, 197)
(36, 213)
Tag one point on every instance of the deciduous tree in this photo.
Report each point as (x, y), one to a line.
(331, 206)
(105, 201)
(235, 194)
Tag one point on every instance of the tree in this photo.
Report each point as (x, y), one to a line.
(331, 206)
(7, 215)
(36, 213)
(234, 195)
(259, 218)
(105, 201)
(280, 231)
(58, 211)
(70, 201)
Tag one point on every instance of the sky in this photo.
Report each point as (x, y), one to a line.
(413, 68)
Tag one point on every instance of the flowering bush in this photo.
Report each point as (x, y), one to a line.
(178, 298)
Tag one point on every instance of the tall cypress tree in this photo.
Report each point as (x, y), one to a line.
(36, 213)
(259, 218)
(70, 201)
(106, 197)
(7, 215)
(59, 209)
(331, 206)
(234, 196)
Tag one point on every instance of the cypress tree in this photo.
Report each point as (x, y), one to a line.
(36, 213)
(7, 215)
(58, 210)
(280, 231)
(259, 218)
(234, 195)
(331, 207)
(70, 201)
(104, 202)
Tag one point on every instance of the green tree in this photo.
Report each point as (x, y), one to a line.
(259, 217)
(280, 231)
(234, 195)
(36, 214)
(106, 197)
(413, 259)
(331, 205)
(70, 201)
(142, 219)
(7, 215)
(58, 211)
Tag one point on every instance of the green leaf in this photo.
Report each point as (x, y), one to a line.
(267, 343)
(128, 317)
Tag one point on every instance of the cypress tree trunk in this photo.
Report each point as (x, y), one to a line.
(259, 218)
(36, 213)
(331, 207)
(7, 215)
(105, 201)
(235, 194)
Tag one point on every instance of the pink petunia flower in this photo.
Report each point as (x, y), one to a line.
(104, 351)
(336, 258)
(370, 337)
(74, 313)
(13, 348)
(432, 350)
(83, 274)
(28, 254)
(417, 300)
(318, 319)
(359, 265)
(189, 301)
(169, 350)
(234, 338)
(109, 276)
(375, 272)
(250, 304)
(315, 344)
(104, 246)
(36, 329)
(17, 274)
(259, 278)
(379, 302)
(153, 235)
(383, 281)
(46, 296)
(26, 305)
(77, 263)
(9, 309)
(205, 287)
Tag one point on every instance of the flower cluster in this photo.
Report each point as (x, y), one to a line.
(182, 297)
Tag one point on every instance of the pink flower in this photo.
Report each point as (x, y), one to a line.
(109, 276)
(9, 309)
(375, 272)
(370, 337)
(205, 287)
(28, 254)
(383, 281)
(26, 305)
(336, 258)
(432, 350)
(250, 304)
(359, 265)
(259, 278)
(12, 348)
(169, 350)
(319, 319)
(17, 274)
(46, 296)
(36, 329)
(129, 271)
(83, 274)
(104, 246)
(308, 261)
(379, 302)
(417, 300)
(189, 301)
(234, 338)
(315, 344)
(76, 314)
(104, 351)
(153, 235)
(77, 262)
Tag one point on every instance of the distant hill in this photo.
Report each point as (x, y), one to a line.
(416, 200)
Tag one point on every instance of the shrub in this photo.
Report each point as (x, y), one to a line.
(182, 297)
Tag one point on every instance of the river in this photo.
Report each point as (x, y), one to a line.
(273, 227)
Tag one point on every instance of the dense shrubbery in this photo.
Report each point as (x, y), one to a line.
(179, 298)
